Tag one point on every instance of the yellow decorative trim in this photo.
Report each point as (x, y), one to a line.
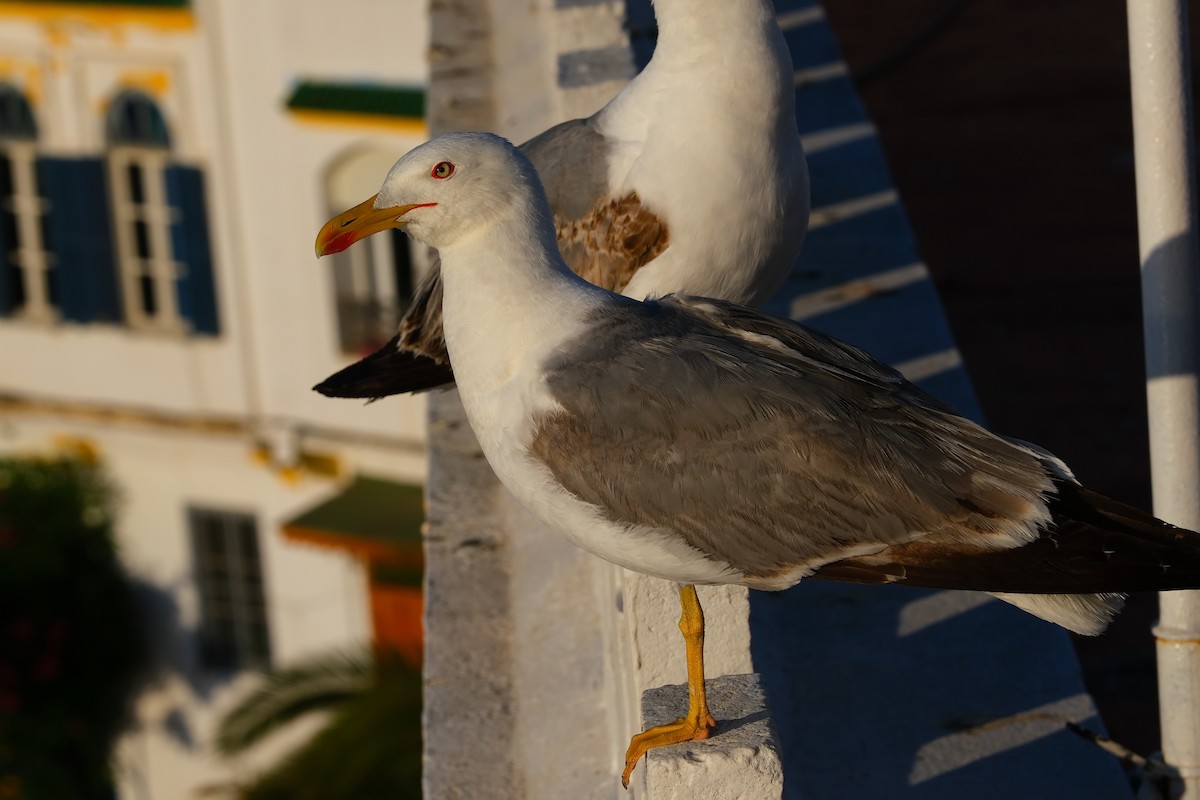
(58, 36)
(13, 67)
(260, 456)
(121, 416)
(12, 406)
(326, 465)
(291, 475)
(25, 74)
(308, 463)
(153, 82)
(82, 448)
(412, 126)
(33, 85)
(102, 16)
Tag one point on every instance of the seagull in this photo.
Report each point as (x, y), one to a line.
(703, 442)
(692, 179)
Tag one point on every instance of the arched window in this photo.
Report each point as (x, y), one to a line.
(160, 223)
(373, 281)
(138, 151)
(16, 117)
(134, 120)
(29, 288)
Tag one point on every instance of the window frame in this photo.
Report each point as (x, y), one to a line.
(160, 266)
(368, 298)
(244, 590)
(30, 253)
(372, 284)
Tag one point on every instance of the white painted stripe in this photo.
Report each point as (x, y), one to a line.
(826, 215)
(918, 369)
(835, 137)
(825, 72)
(805, 16)
(823, 300)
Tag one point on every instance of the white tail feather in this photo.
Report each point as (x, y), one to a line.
(1086, 614)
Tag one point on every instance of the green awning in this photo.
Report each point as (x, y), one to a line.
(358, 98)
(375, 518)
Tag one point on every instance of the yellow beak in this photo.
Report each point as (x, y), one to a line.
(360, 222)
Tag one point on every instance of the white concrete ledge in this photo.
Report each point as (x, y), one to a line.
(739, 761)
(468, 716)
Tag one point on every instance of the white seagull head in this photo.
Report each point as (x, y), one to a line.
(450, 188)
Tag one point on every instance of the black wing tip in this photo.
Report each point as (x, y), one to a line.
(332, 387)
(389, 370)
(1096, 545)
(1144, 553)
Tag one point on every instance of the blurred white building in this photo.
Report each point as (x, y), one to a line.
(164, 167)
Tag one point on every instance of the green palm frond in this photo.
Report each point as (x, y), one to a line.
(370, 750)
(324, 682)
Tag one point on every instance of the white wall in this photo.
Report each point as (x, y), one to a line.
(222, 82)
(316, 598)
(264, 47)
(69, 70)
(222, 85)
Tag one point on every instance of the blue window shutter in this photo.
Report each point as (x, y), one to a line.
(79, 234)
(7, 299)
(190, 246)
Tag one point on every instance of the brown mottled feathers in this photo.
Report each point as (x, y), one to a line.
(421, 328)
(613, 241)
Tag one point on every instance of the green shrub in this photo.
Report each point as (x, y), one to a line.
(72, 646)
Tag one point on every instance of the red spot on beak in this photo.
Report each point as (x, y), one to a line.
(340, 242)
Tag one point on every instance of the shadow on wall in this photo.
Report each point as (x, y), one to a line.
(175, 654)
(898, 692)
(1179, 296)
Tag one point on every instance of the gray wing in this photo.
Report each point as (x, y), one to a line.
(771, 447)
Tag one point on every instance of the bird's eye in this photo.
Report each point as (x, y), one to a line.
(443, 170)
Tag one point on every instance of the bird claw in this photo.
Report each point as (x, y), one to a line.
(684, 729)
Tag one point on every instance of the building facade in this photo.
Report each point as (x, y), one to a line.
(164, 167)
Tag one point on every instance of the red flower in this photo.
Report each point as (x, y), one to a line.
(8, 676)
(21, 630)
(47, 669)
(57, 634)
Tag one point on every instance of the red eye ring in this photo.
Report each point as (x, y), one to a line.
(442, 170)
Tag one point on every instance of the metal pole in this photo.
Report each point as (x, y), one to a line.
(1162, 134)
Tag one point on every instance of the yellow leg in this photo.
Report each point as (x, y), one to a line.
(698, 722)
